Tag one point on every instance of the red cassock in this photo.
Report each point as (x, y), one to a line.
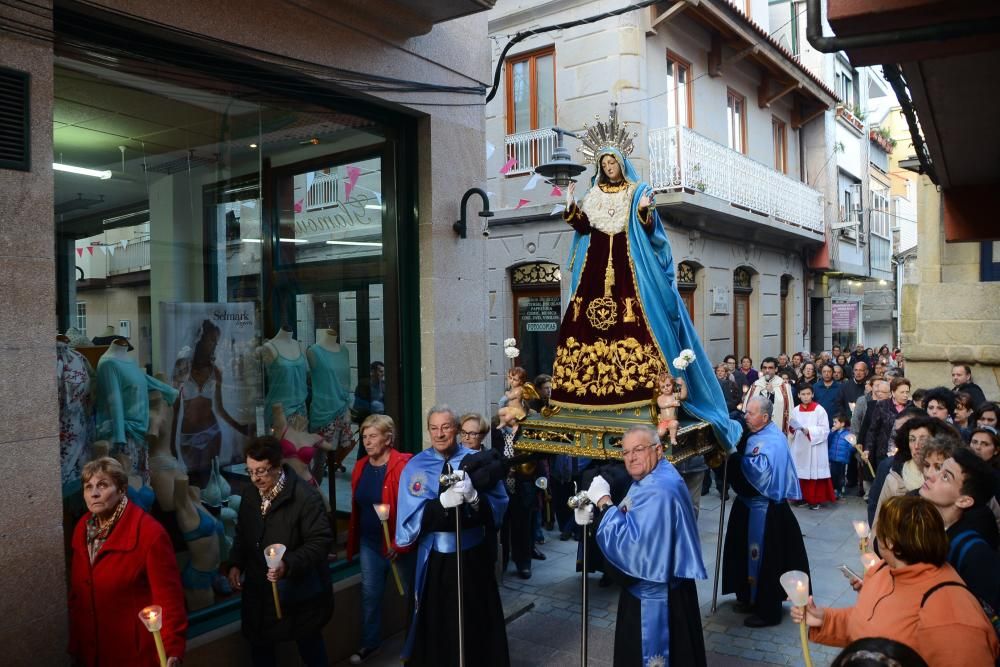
(135, 568)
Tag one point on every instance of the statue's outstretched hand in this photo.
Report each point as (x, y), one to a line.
(645, 201)
(570, 195)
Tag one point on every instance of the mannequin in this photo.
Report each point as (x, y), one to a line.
(229, 514)
(123, 405)
(201, 531)
(286, 369)
(163, 466)
(217, 489)
(74, 380)
(109, 336)
(329, 413)
(297, 447)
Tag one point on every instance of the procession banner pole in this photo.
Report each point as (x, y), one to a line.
(718, 546)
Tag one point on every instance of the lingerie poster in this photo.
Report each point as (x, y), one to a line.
(207, 351)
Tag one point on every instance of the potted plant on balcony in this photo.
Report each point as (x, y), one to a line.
(696, 179)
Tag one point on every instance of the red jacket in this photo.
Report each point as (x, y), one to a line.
(390, 492)
(136, 567)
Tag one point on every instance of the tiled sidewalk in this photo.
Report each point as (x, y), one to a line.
(548, 634)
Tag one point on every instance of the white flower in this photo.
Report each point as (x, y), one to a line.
(512, 352)
(509, 342)
(687, 355)
(680, 364)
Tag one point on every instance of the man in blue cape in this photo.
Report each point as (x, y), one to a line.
(763, 539)
(426, 518)
(651, 539)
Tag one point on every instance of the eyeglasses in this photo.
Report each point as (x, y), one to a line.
(261, 472)
(636, 451)
(472, 434)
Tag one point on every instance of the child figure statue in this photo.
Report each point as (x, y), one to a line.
(671, 392)
(516, 399)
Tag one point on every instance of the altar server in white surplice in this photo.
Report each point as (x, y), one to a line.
(809, 427)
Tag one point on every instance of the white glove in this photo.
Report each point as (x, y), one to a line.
(598, 489)
(464, 486)
(542, 483)
(584, 516)
(451, 497)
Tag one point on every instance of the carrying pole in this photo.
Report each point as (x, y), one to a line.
(718, 545)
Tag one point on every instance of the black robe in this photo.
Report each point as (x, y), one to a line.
(783, 548)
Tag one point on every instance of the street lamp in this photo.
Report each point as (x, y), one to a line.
(560, 170)
(460, 225)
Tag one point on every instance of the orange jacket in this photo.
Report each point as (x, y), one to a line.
(950, 629)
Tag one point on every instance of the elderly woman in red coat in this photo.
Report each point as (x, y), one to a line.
(122, 560)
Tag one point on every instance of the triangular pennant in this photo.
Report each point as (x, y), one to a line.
(79, 252)
(104, 249)
(556, 192)
(124, 243)
(353, 173)
(521, 203)
(508, 166)
(557, 209)
(298, 206)
(490, 149)
(532, 182)
(111, 249)
(90, 249)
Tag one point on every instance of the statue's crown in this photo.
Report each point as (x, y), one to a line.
(601, 135)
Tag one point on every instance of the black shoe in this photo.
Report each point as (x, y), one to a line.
(537, 555)
(524, 574)
(565, 535)
(756, 621)
(743, 607)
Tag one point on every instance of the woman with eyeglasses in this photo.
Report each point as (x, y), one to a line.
(281, 508)
(473, 431)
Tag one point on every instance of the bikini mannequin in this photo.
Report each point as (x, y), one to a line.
(329, 413)
(286, 368)
(298, 448)
(163, 466)
(201, 532)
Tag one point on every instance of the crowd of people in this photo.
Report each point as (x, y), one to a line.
(928, 461)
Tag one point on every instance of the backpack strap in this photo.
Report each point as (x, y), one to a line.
(960, 545)
(935, 587)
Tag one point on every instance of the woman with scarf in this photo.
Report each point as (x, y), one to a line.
(122, 561)
(281, 508)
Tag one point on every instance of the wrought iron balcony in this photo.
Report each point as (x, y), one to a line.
(530, 149)
(131, 258)
(684, 162)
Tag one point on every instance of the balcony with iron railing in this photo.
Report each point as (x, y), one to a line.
(529, 149)
(697, 175)
(133, 257)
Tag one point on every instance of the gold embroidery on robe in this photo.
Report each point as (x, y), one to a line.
(606, 369)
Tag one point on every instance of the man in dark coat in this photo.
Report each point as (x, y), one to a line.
(281, 509)
(763, 539)
(961, 377)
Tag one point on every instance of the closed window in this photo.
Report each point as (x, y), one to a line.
(679, 104)
(531, 91)
(780, 133)
(736, 120)
(81, 316)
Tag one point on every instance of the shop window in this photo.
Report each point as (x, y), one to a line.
(531, 91)
(238, 232)
(736, 122)
(537, 313)
(844, 320)
(679, 93)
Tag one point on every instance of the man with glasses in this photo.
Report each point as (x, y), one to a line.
(770, 386)
(651, 539)
(763, 539)
(426, 518)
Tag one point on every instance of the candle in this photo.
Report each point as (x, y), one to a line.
(868, 560)
(796, 585)
(152, 618)
(382, 510)
(863, 532)
(273, 554)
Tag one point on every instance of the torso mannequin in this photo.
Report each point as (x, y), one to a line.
(329, 414)
(118, 349)
(287, 370)
(201, 532)
(75, 385)
(163, 466)
(298, 448)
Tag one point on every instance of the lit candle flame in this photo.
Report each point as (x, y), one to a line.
(861, 528)
(382, 510)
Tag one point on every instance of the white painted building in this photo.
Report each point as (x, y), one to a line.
(725, 119)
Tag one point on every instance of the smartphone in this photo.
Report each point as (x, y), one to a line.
(848, 572)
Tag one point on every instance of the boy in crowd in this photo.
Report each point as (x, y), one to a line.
(840, 451)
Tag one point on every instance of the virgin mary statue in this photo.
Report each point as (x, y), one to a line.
(626, 318)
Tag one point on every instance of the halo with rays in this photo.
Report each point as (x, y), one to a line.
(602, 135)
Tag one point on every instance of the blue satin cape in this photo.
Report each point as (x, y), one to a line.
(653, 537)
(419, 484)
(768, 466)
(668, 319)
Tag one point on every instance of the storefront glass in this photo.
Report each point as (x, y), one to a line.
(225, 266)
(844, 318)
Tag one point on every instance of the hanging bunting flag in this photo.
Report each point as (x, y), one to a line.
(124, 243)
(557, 209)
(79, 252)
(510, 164)
(521, 203)
(556, 192)
(532, 182)
(353, 173)
(298, 206)
(104, 249)
(110, 249)
(490, 149)
(90, 249)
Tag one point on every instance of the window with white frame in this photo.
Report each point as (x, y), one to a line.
(678, 92)
(880, 213)
(81, 316)
(736, 106)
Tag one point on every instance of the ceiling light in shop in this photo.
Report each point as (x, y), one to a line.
(104, 174)
(373, 207)
(370, 244)
(253, 145)
(282, 240)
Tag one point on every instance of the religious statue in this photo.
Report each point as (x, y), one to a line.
(671, 391)
(627, 317)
